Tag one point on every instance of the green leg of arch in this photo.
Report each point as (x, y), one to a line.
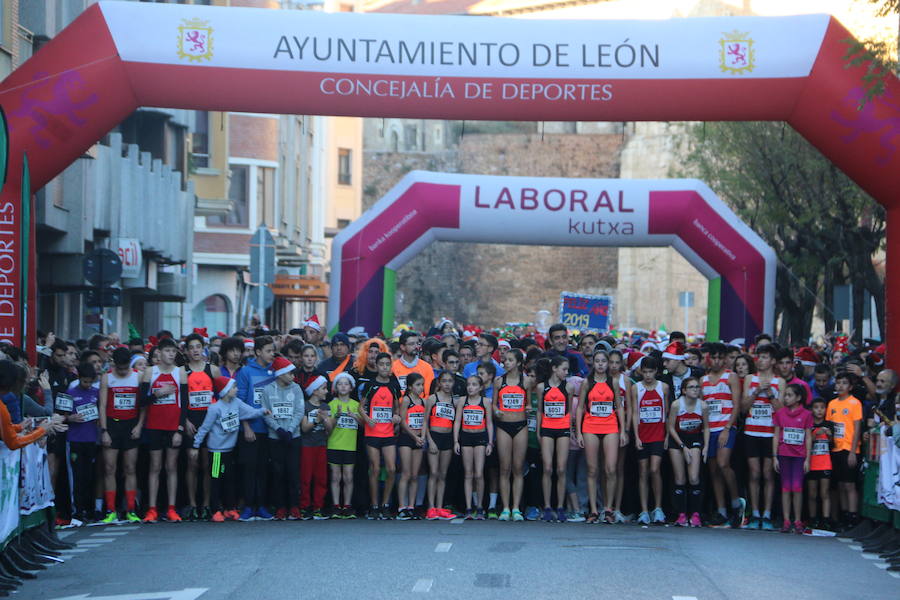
(387, 303)
(713, 309)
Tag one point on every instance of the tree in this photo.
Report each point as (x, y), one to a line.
(878, 56)
(823, 227)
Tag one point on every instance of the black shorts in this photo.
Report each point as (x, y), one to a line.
(196, 417)
(691, 440)
(406, 441)
(380, 442)
(512, 428)
(650, 449)
(56, 444)
(473, 438)
(818, 475)
(554, 433)
(119, 431)
(443, 440)
(757, 447)
(340, 457)
(842, 472)
(157, 439)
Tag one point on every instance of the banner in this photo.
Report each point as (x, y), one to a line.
(584, 312)
(35, 491)
(889, 470)
(9, 486)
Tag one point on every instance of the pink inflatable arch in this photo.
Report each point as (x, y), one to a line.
(120, 55)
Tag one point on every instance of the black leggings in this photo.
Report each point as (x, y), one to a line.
(221, 486)
(254, 457)
(285, 472)
(84, 459)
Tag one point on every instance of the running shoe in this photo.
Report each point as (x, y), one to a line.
(186, 512)
(318, 515)
(644, 518)
(386, 514)
(404, 515)
(262, 514)
(232, 515)
(504, 515)
(247, 514)
(739, 514)
(132, 518)
(280, 514)
(532, 513)
(294, 514)
(61, 523)
(659, 516)
(307, 514)
(575, 516)
(517, 515)
(561, 514)
(218, 517)
(432, 514)
(549, 517)
(350, 513)
(469, 515)
(205, 514)
(767, 525)
(682, 520)
(151, 516)
(172, 515)
(111, 518)
(479, 514)
(446, 514)
(754, 523)
(718, 520)
(492, 514)
(799, 528)
(786, 527)
(696, 521)
(337, 512)
(618, 517)
(609, 517)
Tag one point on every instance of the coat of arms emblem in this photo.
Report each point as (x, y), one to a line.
(195, 42)
(736, 53)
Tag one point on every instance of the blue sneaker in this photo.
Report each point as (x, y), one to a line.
(263, 515)
(248, 514)
(549, 517)
(532, 513)
(754, 523)
(561, 514)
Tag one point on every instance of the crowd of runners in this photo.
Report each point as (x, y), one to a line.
(454, 422)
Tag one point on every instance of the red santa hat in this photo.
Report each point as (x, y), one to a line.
(313, 323)
(281, 365)
(314, 385)
(674, 351)
(249, 344)
(647, 347)
(633, 360)
(807, 356)
(840, 345)
(504, 344)
(222, 385)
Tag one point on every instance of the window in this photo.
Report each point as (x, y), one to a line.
(265, 194)
(345, 158)
(239, 194)
(213, 313)
(200, 140)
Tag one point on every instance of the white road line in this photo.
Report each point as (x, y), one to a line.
(894, 574)
(423, 585)
(684, 597)
(869, 555)
(458, 521)
(855, 547)
(126, 527)
(90, 544)
(99, 540)
(70, 550)
(443, 547)
(110, 533)
(882, 565)
(64, 534)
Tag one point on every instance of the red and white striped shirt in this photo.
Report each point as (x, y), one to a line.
(719, 399)
(759, 419)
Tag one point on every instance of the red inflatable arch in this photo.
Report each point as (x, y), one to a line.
(120, 55)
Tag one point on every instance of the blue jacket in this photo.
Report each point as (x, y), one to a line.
(253, 376)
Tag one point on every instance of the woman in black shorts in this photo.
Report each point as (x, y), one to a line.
(689, 434)
(439, 432)
(512, 434)
(473, 437)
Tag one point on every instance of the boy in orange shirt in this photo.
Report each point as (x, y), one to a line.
(845, 413)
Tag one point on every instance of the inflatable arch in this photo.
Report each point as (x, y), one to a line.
(426, 207)
(117, 56)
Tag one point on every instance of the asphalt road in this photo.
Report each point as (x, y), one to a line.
(454, 560)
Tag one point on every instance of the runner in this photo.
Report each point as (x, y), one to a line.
(200, 376)
(845, 414)
(473, 437)
(441, 410)
(341, 448)
(616, 371)
(554, 424)
(379, 408)
(313, 461)
(283, 399)
(83, 440)
(791, 444)
(121, 422)
(410, 443)
(340, 359)
(409, 361)
(648, 409)
(761, 400)
(688, 427)
(600, 423)
(232, 354)
(511, 432)
(164, 393)
(364, 366)
(721, 390)
(818, 479)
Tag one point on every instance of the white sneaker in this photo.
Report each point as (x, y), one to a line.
(618, 517)
(659, 516)
(643, 518)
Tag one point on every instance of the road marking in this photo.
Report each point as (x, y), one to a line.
(855, 547)
(64, 534)
(423, 585)
(894, 574)
(98, 540)
(127, 527)
(443, 547)
(882, 565)
(845, 540)
(869, 555)
(684, 597)
(458, 521)
(108, 533)
(68, 550)
(185, 594)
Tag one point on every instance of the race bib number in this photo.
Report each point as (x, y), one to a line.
(761, 410)
(715, 408)
(257, 397)
(651, 414)
(690, 425)
(167, 400)
(601, 409)
(402, 380)
(415, 420)
(229, 422)
(820, 447)
(88, 412)
(473, 418)
(442, 410)
(792, 435)
(554, 410)
(283, 409)
(382, 414)
(513, 401)
(532, 423)
(839, 429)
(200, 399)
(347, 422)
(123, 401)
(64, 402)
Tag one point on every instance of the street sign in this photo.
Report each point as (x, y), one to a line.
(101, 297)
(268, 296)
(102, 267)
(582, 311)
(262, 256)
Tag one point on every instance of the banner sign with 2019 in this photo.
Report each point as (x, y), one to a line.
(583, 312)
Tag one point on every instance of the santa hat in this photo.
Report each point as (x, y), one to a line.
(314, 385)
(469, 335)
(674, 351)
(634, 359)
(504, 344)
(344, 375)
(222, 385)
(201, 331)
(249, 344)
(281, 365)
(313, 323)
(807, 356)
(648, 347)
(739, 342)
(135, 358)
(840, 345)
